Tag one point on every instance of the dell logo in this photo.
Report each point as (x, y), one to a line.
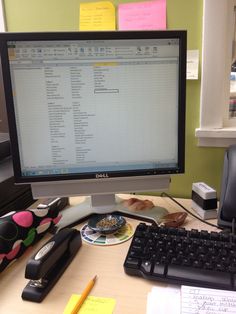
(101, 175)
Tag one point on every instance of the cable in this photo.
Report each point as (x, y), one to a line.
(189, 212)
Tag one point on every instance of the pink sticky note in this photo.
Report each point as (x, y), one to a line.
(142, 15)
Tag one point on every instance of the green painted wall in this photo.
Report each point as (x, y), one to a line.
(202, 164)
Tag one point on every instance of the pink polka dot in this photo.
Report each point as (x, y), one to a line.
(45, 221)
(57, 219)
(23, 218)
(12, 254)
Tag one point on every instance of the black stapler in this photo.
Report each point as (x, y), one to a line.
(46, 266)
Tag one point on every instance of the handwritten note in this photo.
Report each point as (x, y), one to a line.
(98, 16)
(149, 15)
(91, 305)
(207, 301)
(192, 64)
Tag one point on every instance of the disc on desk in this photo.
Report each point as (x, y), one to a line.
(96, 238)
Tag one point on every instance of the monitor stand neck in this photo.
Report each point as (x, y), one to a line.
(104, 204)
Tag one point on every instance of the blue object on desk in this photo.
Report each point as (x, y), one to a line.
(106, 223)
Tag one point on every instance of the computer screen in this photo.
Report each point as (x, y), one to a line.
(95, 113)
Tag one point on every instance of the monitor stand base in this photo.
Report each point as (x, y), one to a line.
(76, 214)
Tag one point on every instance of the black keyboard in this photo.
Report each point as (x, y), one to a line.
(180, 256)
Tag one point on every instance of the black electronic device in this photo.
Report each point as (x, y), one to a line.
(12, 197)
(180, 256)
(227, 206)
(106, 102)
(47, 265)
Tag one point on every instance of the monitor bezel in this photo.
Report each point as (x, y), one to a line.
(102, 35)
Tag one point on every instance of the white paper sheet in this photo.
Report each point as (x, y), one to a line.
(163, 300)
(192, 64)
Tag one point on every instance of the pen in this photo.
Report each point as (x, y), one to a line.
(84, 296)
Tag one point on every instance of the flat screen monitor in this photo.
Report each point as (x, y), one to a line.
(95, 113)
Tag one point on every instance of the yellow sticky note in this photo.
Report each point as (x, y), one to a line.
(91, 305)
(98, 16)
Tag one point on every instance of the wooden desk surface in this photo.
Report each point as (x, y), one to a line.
(129, 292)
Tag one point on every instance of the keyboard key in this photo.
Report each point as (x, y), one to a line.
(159, 269)
(202, 276)
(146, 266)
(132, 262)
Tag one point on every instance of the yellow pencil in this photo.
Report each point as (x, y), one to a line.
(84, 296)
